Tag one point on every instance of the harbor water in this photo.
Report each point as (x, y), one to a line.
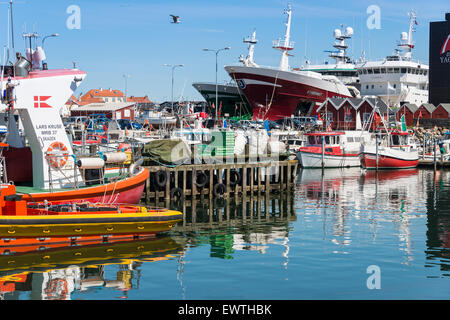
(339, 234)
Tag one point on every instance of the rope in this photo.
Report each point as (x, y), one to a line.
(273, 93)
(240, 96)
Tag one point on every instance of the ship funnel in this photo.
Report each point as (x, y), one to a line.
(22, 66)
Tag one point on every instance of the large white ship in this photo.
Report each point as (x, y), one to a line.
(276, 93)
(397, 79)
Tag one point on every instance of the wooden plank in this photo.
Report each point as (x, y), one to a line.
(227, 175)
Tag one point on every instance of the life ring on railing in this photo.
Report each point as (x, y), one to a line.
(59, 160)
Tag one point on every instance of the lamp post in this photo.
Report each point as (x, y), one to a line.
(173, 68)
(126, 77)
(49, 36)
(217, 53)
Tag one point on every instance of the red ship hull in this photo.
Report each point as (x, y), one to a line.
(368, 161)
(275, 94)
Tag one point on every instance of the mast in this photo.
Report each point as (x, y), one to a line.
(341, 36)
(406, 43)
(285, 45)
(249, 61)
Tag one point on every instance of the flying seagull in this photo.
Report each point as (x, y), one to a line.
(176, 19)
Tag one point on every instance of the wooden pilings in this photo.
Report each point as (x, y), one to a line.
(219, 180)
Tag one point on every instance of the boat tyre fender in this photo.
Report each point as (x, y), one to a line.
(201, 179)
(176, 194)
(235, 178)
(219, 190)
(161, 178)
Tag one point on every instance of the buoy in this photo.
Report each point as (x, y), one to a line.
(115, 157)
(90, 163)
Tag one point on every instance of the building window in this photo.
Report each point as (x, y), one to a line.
(366, 116)
(348, 117)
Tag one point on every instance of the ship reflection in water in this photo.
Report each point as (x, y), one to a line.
(312, 243)
(351, 195)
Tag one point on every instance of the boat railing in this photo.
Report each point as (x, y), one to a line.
(3, 173)
(65, 165)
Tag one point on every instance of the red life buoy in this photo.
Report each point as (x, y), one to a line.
(60, 160)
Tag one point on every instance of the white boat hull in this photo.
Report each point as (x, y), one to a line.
(314, 160)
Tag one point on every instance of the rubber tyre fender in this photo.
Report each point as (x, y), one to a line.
(201, 179)
(161, 178)
(237, 178)
(219, 190)
(176, 193)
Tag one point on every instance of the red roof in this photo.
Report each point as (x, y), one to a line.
(139, 99)
(104, 93)
(72, 101)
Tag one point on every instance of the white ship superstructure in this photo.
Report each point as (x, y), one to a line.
(397, 79)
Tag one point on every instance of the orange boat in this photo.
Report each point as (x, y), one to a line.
(22, 220)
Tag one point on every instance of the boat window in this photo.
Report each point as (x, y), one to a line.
(337, 140)
(376, 71)
(312, 140)
(390, 70)
(425, 72)
(327, 140)
(367, 87)
(365, 71)
(328, 149)
(349, 139)
(383, 70)
(369, 71)
(395, 140)
(357, 139)
(403, 70)
(396, 70)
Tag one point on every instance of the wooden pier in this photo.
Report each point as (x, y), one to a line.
(218, 180)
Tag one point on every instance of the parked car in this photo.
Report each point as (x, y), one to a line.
(128, 124)
(309, 122)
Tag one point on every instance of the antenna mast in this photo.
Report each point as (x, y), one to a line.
(285, 45)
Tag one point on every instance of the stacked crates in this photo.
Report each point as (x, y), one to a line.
(222, 144)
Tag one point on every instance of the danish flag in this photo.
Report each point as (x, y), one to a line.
(39, 101)
(446, 45)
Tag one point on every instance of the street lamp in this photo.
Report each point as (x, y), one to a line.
(49, 36)
(126, 77)
(217, 53)
(173, 68)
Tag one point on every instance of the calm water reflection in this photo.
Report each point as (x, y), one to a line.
(314, 242)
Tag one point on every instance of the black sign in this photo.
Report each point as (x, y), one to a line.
(439, 86)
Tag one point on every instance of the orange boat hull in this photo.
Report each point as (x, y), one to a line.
(127, 191)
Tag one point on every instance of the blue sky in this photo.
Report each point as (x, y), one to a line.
(136, 37)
